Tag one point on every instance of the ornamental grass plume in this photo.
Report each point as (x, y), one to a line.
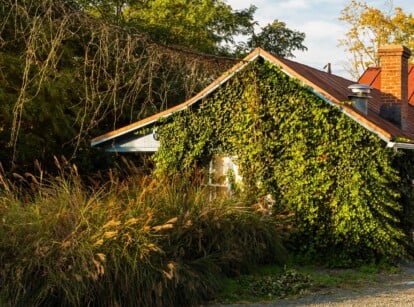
(141, 241)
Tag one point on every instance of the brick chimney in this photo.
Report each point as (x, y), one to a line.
(394, 84)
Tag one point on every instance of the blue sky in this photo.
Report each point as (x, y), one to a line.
(319, 20)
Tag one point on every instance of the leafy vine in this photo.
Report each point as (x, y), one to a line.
(336, 177)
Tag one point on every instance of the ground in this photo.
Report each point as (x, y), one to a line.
(388, 290)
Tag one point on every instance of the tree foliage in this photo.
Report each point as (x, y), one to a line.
(369, 29)
(66, 76)
(334, 176)
(208, 25)
(278, 39)
(202, 25)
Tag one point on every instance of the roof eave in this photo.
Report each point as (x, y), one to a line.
(399, 145)
(131, 149)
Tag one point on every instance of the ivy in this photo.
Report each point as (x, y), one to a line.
(336, 177)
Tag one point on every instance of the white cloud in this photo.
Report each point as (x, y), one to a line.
(319, 30)
(293, 4)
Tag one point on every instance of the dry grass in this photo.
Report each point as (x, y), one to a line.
(144, 241)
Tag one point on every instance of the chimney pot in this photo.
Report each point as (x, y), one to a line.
(360, 96)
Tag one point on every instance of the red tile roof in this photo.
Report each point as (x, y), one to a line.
(332, 88)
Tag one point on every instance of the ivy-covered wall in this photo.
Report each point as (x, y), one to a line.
(338, 179)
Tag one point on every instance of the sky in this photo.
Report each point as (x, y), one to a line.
(318, 19)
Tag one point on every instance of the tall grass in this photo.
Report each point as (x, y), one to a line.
(140, 242)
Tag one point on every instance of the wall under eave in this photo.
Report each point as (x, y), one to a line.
(146, 143)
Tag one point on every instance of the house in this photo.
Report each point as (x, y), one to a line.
(382, 102)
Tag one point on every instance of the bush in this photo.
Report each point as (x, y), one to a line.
(143, 242)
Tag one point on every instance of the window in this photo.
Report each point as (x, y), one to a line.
(223, 174)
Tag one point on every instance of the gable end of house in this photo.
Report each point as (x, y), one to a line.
(333, 89)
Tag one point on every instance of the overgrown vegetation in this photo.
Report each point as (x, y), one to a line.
(72, 70)
(141, 242)
(66, 76)
(336, 178)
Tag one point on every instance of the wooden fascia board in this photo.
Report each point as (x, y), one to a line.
(206, 91)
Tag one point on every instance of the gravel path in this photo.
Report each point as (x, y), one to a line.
(391, 294)
(393, 290)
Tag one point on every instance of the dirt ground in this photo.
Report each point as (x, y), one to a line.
(393, 290)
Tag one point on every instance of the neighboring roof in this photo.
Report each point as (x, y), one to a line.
(372, 77)
(331, 88)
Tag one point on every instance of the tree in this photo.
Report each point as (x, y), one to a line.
(278, 39)
(201, 25)
(66, 76)
(208, 26)
(109, 10)
(369, 29)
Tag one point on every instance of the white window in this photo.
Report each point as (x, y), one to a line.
(223, 173)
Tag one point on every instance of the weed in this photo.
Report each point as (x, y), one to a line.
(257, 287)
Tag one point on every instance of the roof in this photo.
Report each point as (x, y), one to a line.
(332, 88)
(372, 77)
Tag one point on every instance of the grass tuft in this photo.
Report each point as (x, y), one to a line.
(143, 241)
